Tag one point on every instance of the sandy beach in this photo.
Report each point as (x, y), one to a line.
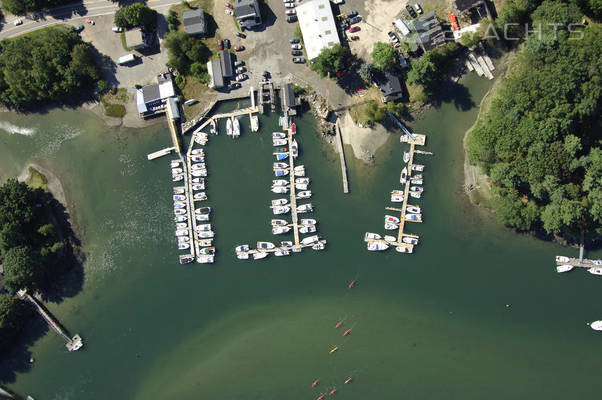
(364, 141)
(53, 183)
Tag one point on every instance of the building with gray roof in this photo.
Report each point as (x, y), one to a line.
(247, 13)
(195, 23)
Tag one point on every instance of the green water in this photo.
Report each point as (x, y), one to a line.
(477, 312)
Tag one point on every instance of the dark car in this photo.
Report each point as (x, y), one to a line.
(296, 53)
(299, 60)
(291, 18)
(351, 14)
(78, 28)
(227, 43)
(355, 20)
(241, 35)
(411, 11)
(293, 41)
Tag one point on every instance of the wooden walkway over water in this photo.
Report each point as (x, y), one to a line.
(342, 157)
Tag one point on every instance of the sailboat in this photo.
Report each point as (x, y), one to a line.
(254, 123)
(213, 127)
(229, 127)
(235, 128)
(295, 148)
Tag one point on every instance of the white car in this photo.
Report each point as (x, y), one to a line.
(418, 8)
(338, 1)
(289, 5)
(296, 46)
(290, 12)
(289, 1)
(18, 22)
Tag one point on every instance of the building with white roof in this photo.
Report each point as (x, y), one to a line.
(317, 26)
(151, 99)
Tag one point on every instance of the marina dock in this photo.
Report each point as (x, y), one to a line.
(293, 201)
(342, 158)
(160, 153)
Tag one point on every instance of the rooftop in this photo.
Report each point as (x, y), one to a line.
(194, 22)
(317, 26)
(134, 38)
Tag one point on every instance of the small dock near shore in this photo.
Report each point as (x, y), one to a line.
(341, 149)
(593, 266)
(160, 153)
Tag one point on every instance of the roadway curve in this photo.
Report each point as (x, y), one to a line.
(75, 13)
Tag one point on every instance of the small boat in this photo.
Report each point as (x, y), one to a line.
(183, 239)
(203, 210)
(307, 229)
(406, 157)
(418, 167)
(300, 168)
(176, 171)
(302, 180)
(183, 246)
(181, 225)
(300, 173)
(595, 271)
(338, 325)
(202, 217)
(562, 259)
(294, 128)
(243, 248)
(390, 239)
(403, 249)
(281, 252)
(416, 181)
(597, 262)
(308, 221)
(318, 246)
(229, 127)
(370, 235)
(198, 151)
(418, 189)
(564, 268)
(351, 285)
(305, 208)
(200, 196)
(199, 172)
(205, 242)
(177, 178)
(281, 172)
(198, 166)
(198, 186)
(202, 140)
(203, 227)
(186, 258)
(413, 209)
(235, 127)
(278, 135)
(404, 176)
(315, 383)
(310, 240)
(279, 202)
(333, 391)
(409, 240)
(207, 250)
(175, 163)
(280, 165)
(377, 246)
(392, 219)
(334, 349)
(304, 194)
(348, 380)
(279, 142)
(179, 204)
(205, 259)
(281, 156)
(181, 232)
(179, 189)
(416, 195)
(279, 182)
(197, 159)
(205, 234)
(279, 230)
(279, 189)
(395, 198)
(254, 123)
(417, 176)
(179, 197)
(391, 226)
(413, 217)
(301, 186)
(295, 148)
(279, 222)
(242, 256)
(213, 127)
(281, 210)
(198, 180)
(596, 325)
(266, 245)
(286, 244)
(259, 255)
(181, 218)
(280, 150)
(397, 192)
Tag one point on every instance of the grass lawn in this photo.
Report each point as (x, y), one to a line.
(123, 43)
(114, 103)
(358, 108)
(36, 179)
(194, 89)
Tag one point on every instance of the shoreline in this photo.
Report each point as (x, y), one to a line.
(54, 185)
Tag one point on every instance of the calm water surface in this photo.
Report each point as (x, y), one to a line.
(477, 312)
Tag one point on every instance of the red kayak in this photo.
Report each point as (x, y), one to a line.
(351, 284)
(333, 391)
(347, 332)
(315, 383)
(348, 380)
(320, 398)
(338, 325)
(294, 128)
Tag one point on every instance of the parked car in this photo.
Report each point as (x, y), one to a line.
(411, 11)
(418, 8)
(296, 53)
(240, 70)
(393, 37)
(293, 41)
(239, 63)
(89, 21)
(338, 1)
(290, 12)
(241, 35)
(355, 20)
(241, 77)
(289, 5)
(78, 28)
(289, 1)
(228, 5)
(220, 44)
(354, 29)
(226, 43)
(18, 22)
(235, 85)
(291, 18)
(239, 48)
(351, 14)
(299, 60)
(229, 12)
(296, 46)
(354, 37)
(117, 29)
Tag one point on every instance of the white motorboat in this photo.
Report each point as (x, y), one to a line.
(416, 181)
(416, 195)
(197, 159)
(254, 123)
(403, 249)
(295, 148)
(205, 259)
(205, 234)
(308, 221)
(179, 211)
(177, 178)
(597, 262)
(406, 157)
(305, 208)
(235, 127)
(200, 196)
(198, 166)
(286, 244)
(414, 217)
(310, 240)
(202, 217)
(278, 135)
(200, 140)
(279, 182)
(176, 171)
(205, 242)
(181, 218)
(182, 225)
(186, 258)
(203, 210)
(182, 232)
(416, 189)
(595, 271)
(183, 239)
(281, 210)
(278, 230)
(396, 198)
(307, 229)
(596, 325)
(198, 151)
(392, 219)
(564, 268)
(562, 259)
(183, 246)
(242, 256)
(377, 246)
(302, 180)
(279, 142)
(279, 222)
(281, 252)
(404, 176)
(280, 165)
(416, 176)
(370, 235)
(179, 204)
(280, 172)
(199, 172)
(318, 246)
(300, 173)
(175, 163)
(213, 127)
(391, 226)
(279, 202)
(265, 245)
(207, 250)
(413, 209)
(259, 255)
(228, 127)
(179, 189)
(390, 239)
(301, 186)
(198, 180)
(304, 194)
(418, 167)
(203, 227)
(279, 189)
(300, 168)
(397, 192)
(409, 240)
(179, 197)
(243, 248)
(198, 186)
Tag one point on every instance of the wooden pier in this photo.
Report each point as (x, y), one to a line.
(342, 157)
(160, 153)
(294, 214)
(579, 262)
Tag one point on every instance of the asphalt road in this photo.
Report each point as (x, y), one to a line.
(75, 13)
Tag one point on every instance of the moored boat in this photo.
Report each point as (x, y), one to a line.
(416, 189)
(198, 186)
(280, 172)
(301, 186)
(199, 172)
(318, 246)
(197, 159)
(396, 198)
(281, 252)
(595, 271)
(228, 127)
(305, 208)
(259, 255)
(416, 181)
(307, 229)
(265, 245)
(198, 151)
(278, 135)
(202, 217)
(406, 157)
(596, 325)
(179, 197)
(392, 219)
(308, 221)
(279, 189)
(183, 246)
(281, 156)
(279, 182)
(213, 127)
(286, 244)
(416, 195)
(281, 210)
(391, 226)
(418, 167)
(413, 209)
(279, 230)
(279, 222)
(370, 235)
(279, 202)
(404, 176)
(235, 127)
(377, 246)
(390, 239)
(310, 240)
(414, 217)
(181, 218)
(200, 196)
(177, 178)
(179, 211)
(254, 123)
(203, 227)
(295, 148)
(181, 232)
(179, 204)
(280, 165)
(409, 240)
(302, 180)
(279, 142)
(205, 259)
(564, 268)
(562, 259)
(203, 210)
(304, 194)
(403, 249)
(243, 248)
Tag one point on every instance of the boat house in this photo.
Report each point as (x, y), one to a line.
(247, 13)
(216, 79)
(134, 39)
(288, 100)
(151, 99)
(389, 86)
(317, 26)
(194, 23)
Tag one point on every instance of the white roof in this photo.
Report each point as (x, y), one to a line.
(403, 28)
(317, 26)
(166, 89)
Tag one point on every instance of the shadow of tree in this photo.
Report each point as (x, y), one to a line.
(455, 93)
(107, 66)
(17, 359)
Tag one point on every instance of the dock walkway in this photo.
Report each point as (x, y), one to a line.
(342, 157)
(294, 214)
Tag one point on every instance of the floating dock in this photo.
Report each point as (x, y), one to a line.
(342, 158)
(160, 153)
(579, 262)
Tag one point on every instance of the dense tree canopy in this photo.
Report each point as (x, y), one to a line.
(383, 56)
(330, 61)
(429, 69)
(23, 6)
(11, 310)
(540, 139)
(51, 64)
(136, 14)
(187, 54)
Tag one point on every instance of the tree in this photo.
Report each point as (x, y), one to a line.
(366, 72)
(136, 14)
(185, 50)
(330, 60)
(11, 311)
(22, 269)
(375, 112)
(383, 56)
